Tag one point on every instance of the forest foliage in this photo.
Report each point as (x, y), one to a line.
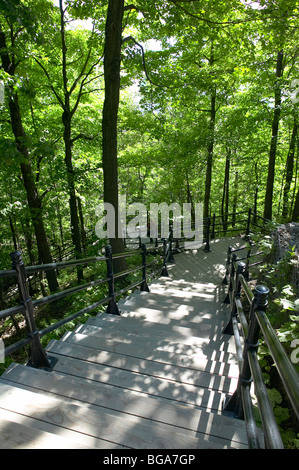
(208, 113)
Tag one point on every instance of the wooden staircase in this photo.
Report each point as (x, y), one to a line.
(153, 378)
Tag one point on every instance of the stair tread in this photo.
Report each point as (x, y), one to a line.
(83, 363)
(98, 422)
(119, 356)
(17, 435)
(155, 408)
(152, 331)
(197, 344)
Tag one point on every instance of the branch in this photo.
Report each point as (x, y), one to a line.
(130, 38)
(45, 193)
(83, 83)
(49, 80)
(132, 7)
(84, 136)
(206, 20)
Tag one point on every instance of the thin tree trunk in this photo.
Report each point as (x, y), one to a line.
(225, 194)
(256, 193)
(208, 183)
(83, 231)
(13, 233)
(190, 199)
(68, 145)
(112, 61)
(289, 172)
(235, 198)
(273, 146)
(33, 198)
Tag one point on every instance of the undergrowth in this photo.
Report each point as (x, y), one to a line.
(13, 329)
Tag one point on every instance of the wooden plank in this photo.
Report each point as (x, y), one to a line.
(109, 426)
(15, 434)
(185, 417)
(73, 439)
(149, 330)
(133, 356)
(189, 303)
(221, 362)
(103, 367)
(132, 359)
(169, 352)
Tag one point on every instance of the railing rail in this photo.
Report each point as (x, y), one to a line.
(37, 356)
(240, 403)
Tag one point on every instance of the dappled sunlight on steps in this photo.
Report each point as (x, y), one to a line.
(154, 377)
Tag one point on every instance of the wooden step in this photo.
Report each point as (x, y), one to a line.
(19, 432)
(83, 362)
(152, 307)
(173, 331)
(164, 312)
(105, 425)
(182, 418)
(112, 331)
(133, 323)
(152, 348)
(133, 360)
(208, 360)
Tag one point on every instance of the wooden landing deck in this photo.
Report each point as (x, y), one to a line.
(153, 378)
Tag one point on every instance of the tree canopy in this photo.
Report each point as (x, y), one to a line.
(185, 101)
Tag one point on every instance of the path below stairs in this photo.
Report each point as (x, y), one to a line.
(155, 377)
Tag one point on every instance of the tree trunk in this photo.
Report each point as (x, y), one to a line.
(289, 172)
(256, 193)
(225, 194)
(235, 198)
(112, 60)
(208, 182)
(82, 227)
(273, 146)
(13, 233)
(33, 198)
(75, 230)
(68, 145)
(190, 199)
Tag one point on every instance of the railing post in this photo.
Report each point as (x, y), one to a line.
(231, 270)
(112, 305)
(248, 223)
(229, 253)
(213, 227)
(259, 302)
(164, 272)
(236, 293)
(207, 248)
(37, 355)
(170, 257)
(144, 286)
(246, 272)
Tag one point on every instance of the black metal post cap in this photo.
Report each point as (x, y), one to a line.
(241, 265)
(16, 257)
(262, 290)
(261, 295)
